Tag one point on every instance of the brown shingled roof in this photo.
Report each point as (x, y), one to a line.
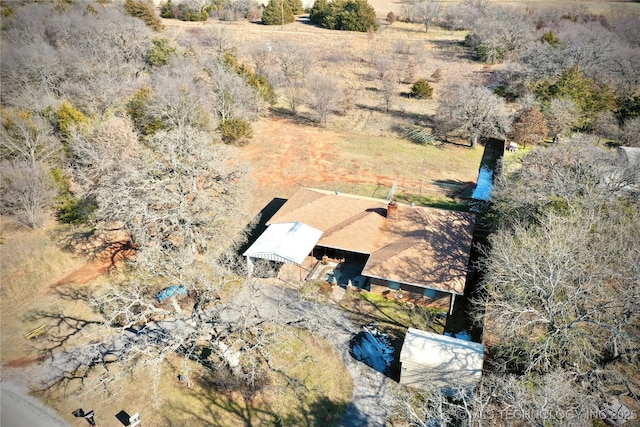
(425, 246)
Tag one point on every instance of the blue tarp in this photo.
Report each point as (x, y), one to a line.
(485, 184)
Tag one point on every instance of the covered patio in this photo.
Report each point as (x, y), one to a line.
(283, 243)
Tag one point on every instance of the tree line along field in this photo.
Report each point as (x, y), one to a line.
(151, 132)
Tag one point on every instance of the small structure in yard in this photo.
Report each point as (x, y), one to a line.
(289, 242)
(431, 360)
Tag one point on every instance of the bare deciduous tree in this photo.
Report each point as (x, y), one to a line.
(177, 101)
(229, 95)
(183, 195)
(26, 191)
(293, 63)
(425, 12)
(474, 112)
(388, 87)
(324, 96)
(564, 265)
(630, 132)
(562, 116)
(102, 152)
(24, 137)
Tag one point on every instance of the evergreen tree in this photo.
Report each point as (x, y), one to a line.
(347, 15)
(277, 12)
(320, 10)
(296, 6)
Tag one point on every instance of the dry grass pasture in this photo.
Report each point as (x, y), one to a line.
(363, 149)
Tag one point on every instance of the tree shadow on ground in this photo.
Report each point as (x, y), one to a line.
(453, 50)
(242, 406)
(417, 119)
(114, 243)
(455, 187)
(60, 327)
(297, 119)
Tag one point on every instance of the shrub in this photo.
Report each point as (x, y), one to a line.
(277, 12)
(160, 52)
(168, 11)
(71, 209)
(347, 15)
(258, 82)
(236, 131)
(421, 89)
(138, 108)
(67, 117)
(550, 38)
(391, 18)
(183, 12)
(144, 10)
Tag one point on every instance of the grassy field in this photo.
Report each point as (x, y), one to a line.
(32, 261)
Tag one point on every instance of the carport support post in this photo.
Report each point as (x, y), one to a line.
(249, 266)
(453, 299)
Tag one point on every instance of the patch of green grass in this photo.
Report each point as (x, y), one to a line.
(400, 157)
(391, 314)
(442, 202)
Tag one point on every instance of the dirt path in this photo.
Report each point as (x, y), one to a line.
(105, 261)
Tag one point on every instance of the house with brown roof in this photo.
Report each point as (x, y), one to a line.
(408, 251)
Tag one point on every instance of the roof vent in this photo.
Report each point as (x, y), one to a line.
(392, 210)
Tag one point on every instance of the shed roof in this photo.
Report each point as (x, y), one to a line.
(426, 247)
(285, 242)
(432, 359)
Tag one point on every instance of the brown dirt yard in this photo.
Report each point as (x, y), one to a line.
(285, 156)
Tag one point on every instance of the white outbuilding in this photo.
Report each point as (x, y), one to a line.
(431, 360)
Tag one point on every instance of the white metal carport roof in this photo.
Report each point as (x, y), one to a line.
(285, 242)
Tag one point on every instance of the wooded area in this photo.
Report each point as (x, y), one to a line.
(112, 125)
